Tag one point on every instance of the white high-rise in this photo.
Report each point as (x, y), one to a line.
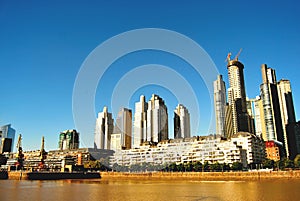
(157, 120)
(181, 122)
(140, 123)
(103, 129)
(220, 103)
(241, 120)
(124, 127)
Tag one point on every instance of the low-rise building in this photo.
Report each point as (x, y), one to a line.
(209, 149)
(254, 145)
(273, 150)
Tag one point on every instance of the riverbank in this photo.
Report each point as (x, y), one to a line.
(21, 175)
(204, 176)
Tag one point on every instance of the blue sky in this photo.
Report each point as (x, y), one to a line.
(43, 45)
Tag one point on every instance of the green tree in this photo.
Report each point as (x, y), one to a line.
(205, 166)
(216, 167)
(288, 163)
(225, 167)
(279, 165)
(268, 163)
(236, 166)
(197, 166)
(297, 161)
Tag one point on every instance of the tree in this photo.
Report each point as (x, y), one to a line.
(268, 163)
(197, 166)
(297, 161)
(288, 163)
(237, 166)
(225, 167)
(279, 164)
(205, 166)
(216, 167)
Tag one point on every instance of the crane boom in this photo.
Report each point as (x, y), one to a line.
(238, 54)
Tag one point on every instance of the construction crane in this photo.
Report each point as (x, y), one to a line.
(228, 57)
(236, 58)
(42, 154)
(19, 155)
(238, 54)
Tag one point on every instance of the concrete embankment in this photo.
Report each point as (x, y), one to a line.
(204, 176)
(21, 175)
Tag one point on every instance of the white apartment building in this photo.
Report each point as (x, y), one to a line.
(103, 129)
(185, 150)
(182, 127)
(253, 144)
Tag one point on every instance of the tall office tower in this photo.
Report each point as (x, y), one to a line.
(237, 97)
(287, 110)
(270, 101)
(7, 137)
(259, 121)
(68, 139)
(140, 122)
(220, 103)
(182, 127)
(157, 120)
(228, 121)
(251, 113)
(124, 126)
(103, 129)
(293, 132)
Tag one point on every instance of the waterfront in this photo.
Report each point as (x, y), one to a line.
(97, 189)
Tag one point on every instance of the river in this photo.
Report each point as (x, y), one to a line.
(95, 190)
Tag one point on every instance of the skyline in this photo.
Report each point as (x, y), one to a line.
(42, 54)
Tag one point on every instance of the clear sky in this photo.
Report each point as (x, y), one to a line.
(43, 45)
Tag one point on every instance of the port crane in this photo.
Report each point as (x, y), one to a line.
(19, 155)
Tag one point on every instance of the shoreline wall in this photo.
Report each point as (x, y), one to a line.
(204, 176)
(23, 175)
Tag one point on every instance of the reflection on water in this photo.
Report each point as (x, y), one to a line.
(97, 189)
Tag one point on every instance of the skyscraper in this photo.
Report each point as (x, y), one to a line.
(124, 126)
(140, 122)
(293, 132)
(181, 122)
(157, 120)
(220, 104)
(260, 128)
(287, 110)
(68, 139)
(241, 120)
(7, 137)
(103, 129)
(270, 101)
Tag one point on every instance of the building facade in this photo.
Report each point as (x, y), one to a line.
(140, 122)
(204, 149)
(220, 104)
(7, 137)
(68, 139)
(253, 144)
(273, 150)
(293, 131)
(287, 110)
(237, 97)
(182, 127)
(124, 127)
(103, 129)
(271, 107)
(157, 120)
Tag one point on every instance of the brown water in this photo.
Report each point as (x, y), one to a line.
(92, 190)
